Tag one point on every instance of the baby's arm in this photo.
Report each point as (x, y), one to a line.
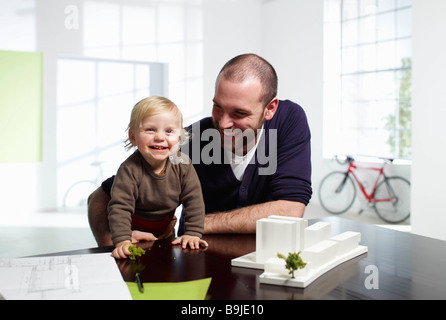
(193, 204)
(193, 242)
(121, 207)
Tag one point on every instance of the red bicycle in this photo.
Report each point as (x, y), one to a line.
(390, 196)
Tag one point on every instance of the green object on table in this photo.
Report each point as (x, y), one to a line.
(187, 290)
(136, 252)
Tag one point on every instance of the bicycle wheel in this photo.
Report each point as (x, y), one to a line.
(392, 199)
(77, 194)
(337, 192)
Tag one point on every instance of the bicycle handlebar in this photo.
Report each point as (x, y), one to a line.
(349, 159)
(389, 160)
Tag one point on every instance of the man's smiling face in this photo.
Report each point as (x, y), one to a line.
(237, 108)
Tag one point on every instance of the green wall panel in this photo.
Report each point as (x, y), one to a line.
(20, 106)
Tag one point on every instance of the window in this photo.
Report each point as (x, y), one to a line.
(95, 98)
(367, 77)
(130, 49)
(156, 31)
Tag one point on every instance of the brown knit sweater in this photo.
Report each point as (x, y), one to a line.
(138, 190)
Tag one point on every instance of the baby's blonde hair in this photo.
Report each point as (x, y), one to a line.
(149, 107)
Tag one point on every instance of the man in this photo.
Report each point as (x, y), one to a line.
(261, 165)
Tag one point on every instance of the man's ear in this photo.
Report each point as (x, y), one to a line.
(271, 109)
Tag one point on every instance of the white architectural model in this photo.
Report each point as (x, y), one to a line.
(321, 251)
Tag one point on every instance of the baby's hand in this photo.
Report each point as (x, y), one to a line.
(122, 250)
(192, 241)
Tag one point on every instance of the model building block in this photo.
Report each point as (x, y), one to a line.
(316, 233)
(300, 225)
(348, 241)
(319, 250)
(273, 234)
(320, 253)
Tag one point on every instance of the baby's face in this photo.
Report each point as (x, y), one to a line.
(158, 137)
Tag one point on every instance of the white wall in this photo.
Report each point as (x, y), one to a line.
(429, 116)
(27, 186)
(230, 28)
(289, 34)
(52, 39)
(293, 43)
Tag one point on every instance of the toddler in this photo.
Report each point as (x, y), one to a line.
(148, 187)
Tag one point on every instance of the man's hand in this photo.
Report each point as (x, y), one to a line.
(138, 236)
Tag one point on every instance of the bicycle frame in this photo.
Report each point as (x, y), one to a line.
(389, 195)
(369, 197)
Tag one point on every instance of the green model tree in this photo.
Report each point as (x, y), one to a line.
(135, 252)
(293, 262)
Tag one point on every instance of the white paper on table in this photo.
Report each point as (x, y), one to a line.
(70, 277)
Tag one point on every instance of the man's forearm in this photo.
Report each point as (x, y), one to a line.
(243, 220)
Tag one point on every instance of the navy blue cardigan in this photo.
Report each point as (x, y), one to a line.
(291, 179)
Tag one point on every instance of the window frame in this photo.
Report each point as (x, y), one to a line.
(346, 130)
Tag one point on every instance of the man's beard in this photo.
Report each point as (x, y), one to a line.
(237, 141)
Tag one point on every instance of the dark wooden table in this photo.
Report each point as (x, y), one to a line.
(405, 266)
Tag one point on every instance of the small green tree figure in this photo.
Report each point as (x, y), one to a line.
(293, 262)
(135, 252)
